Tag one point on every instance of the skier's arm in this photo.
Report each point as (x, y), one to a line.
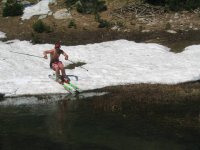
(47, 52)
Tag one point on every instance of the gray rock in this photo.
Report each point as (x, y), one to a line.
(171, 31)
(42, 17)
(62, 14)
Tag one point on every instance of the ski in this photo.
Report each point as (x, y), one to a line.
(75, 87)
(71, 88)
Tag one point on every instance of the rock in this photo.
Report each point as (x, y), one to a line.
(25, 3)
(50, 13)
(115, 28)
(133, 23)
(145, 31)
(62, 14)
(176, 16)
(191, 25)
(42, 17)
(171, 31)
(127, 30)
(53, 2)
(85, 24)
(4, 1)
(185, 12)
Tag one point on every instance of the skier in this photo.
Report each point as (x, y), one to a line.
(55, 64)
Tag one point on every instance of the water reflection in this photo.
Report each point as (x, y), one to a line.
(46, 99)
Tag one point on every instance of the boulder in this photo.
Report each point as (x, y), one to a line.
(62, 14)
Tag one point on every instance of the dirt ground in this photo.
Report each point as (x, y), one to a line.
(186, 24)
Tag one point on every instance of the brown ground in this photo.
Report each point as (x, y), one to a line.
(88, 32)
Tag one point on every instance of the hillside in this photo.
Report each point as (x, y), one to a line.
(127, 19)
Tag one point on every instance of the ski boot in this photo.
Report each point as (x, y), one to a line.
(65, 79)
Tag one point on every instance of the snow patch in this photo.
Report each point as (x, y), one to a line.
(109, 63)
(41, 8)
(2, 35)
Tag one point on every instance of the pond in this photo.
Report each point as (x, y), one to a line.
(87, 124)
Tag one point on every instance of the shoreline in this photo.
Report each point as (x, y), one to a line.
(185, 89)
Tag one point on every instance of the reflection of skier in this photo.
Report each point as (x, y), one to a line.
(55, 64)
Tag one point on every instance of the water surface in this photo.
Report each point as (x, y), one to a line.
(89, 125)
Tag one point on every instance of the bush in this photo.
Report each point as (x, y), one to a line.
(176, 5)
(12, 9)
(101, 6)
(72, 24)
(97, 17)
(88, 6)
(70, 2)
(103, 24)
(120, 24)
(168, 26)
(156, 2)
(35, 39)
(40, 27)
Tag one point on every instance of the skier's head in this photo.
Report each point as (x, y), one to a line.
(57, 45)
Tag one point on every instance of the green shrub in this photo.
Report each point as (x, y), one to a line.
(176, 5)
(70, 2)
(103, 24)
(101, 6)
(156, 2)
(183, 4)
(97, 17)
(168, 26)
(72, 24)
(12, 9)
(35, 39)
(120, 24)
(40, 27)
(88, 6)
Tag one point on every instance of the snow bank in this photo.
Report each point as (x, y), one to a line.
(109, 63)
